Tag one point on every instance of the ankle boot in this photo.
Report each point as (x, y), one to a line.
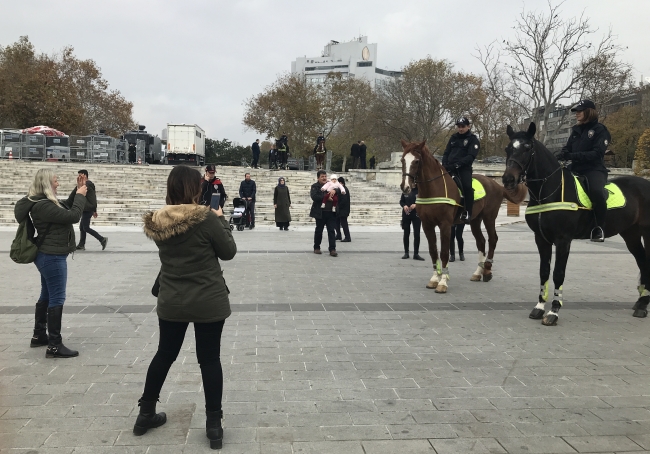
(148, 418)
(40, 325)
(55, 347)
(406, 255)
(416, 256)
(213, 429)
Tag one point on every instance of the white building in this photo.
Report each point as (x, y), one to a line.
(354, 58)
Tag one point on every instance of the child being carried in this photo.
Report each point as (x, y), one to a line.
(332, 184)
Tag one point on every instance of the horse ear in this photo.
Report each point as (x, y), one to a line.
(532, 128)
(510, 131)
(404, 143)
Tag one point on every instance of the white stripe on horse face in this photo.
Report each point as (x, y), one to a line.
(516, 144)
(408, 160)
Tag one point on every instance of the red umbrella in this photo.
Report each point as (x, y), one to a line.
(45, 130)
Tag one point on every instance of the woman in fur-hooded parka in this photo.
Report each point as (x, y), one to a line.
(191, 239)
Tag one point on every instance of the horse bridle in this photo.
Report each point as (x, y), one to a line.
(415, 177)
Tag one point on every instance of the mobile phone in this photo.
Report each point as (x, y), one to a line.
(214, 201)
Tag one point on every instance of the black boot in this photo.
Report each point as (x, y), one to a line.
(416, 256)
(406, 255)
(452, 257)
(461, 256)
(148, 418)
(55, 347)
(213, 429)
(40, 325)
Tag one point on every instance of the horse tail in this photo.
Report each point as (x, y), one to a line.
(516, 195)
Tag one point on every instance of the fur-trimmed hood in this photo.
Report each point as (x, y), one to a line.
(173, 220)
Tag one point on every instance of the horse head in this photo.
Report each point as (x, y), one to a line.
(411, 163)
(520, 152)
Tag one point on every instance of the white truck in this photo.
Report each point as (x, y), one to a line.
(185, 144)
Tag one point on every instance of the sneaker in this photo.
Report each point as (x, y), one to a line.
(333, 209)
(80, 248)
(104, 242)
(322, 205)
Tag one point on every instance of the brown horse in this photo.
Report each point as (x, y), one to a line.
(437, 206)
(319, 152)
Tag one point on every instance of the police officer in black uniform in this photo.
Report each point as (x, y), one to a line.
(282, 146)
(319, 139)
(586, 149)
(410, 217)
(459, 155)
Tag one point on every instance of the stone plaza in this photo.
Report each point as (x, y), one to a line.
(337, 355)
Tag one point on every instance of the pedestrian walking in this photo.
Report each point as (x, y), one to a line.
(247, 190)
(410, 217)
(324, 217)
(343, 213)
(90, 211)
(355, 150)
(457, 235)
(282, 205)
(53, 221)
(256, 154)
(191, 239)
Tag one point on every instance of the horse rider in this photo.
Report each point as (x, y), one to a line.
(320, 139)
(586, 149)
(282, 145)
(459, 155)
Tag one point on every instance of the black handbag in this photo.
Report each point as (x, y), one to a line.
(156, 286)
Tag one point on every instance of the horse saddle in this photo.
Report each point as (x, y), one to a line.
(477, 186)
(613, 194)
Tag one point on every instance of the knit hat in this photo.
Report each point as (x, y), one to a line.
(334, 176)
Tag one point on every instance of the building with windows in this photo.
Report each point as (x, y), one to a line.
(356, 58)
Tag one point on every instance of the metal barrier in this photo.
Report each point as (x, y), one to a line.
(79, 148)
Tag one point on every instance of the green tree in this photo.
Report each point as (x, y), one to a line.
(642, 155)
(626, 126)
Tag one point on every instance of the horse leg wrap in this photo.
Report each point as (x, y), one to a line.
(538, 311)
(480, 269)
(488, 264)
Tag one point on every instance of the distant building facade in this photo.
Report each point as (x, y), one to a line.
(356, 58)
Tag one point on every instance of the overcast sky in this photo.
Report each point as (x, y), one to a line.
(196, 61)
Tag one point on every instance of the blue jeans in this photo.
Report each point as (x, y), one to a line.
(54, 277)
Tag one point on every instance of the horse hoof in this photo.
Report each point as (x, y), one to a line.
(441, 289)
(641, 303)
(640, 313)
(536, 314)
(487, 277)
(475, 278)
(550, 320)
(432, 285)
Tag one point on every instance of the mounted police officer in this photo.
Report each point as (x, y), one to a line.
(462, 149)
(320, 139)
(586, 149)
(282, 145)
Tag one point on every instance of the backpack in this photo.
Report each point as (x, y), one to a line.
(24, 247)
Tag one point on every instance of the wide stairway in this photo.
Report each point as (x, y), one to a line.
(125, 192)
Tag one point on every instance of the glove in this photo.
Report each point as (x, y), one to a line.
(457, 166)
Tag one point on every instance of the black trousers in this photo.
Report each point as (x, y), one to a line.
(362, 161)
(342, 222)
(456, 233)
(597, 181)
(273, 160)
(251, 210)
(208, 354)
(465, 175)
(256, 159)
(84, 227)
(283, 158)
(328, 219)
(406, 225)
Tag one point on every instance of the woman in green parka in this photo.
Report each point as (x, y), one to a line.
(282, 203)
(191, 238)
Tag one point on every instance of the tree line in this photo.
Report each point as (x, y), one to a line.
(60, 91)
(549, 62)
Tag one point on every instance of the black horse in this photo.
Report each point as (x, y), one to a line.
(548, 181)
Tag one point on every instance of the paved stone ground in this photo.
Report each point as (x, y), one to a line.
(346, 355)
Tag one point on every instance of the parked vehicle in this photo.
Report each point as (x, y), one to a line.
(185, 144)
(153, 153)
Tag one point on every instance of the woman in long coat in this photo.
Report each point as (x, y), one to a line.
(282, 203)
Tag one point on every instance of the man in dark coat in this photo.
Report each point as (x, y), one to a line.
(212, 185)
(355, 150)
(324, 217)
(90, 211)
(256, 153)
(362, 155)
(343, 213)
(462, 149)
(132, 152)
(247, 190)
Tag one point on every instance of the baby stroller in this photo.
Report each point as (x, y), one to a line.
(240, 216)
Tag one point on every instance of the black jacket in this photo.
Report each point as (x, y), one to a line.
(256, 148)
(247, 188)
(355, 150)
(408, 200)
(586, 147)
(362, 150)
(461, 151)
(91, 197)
(317, 199)
(210, 187)
(344, 204)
